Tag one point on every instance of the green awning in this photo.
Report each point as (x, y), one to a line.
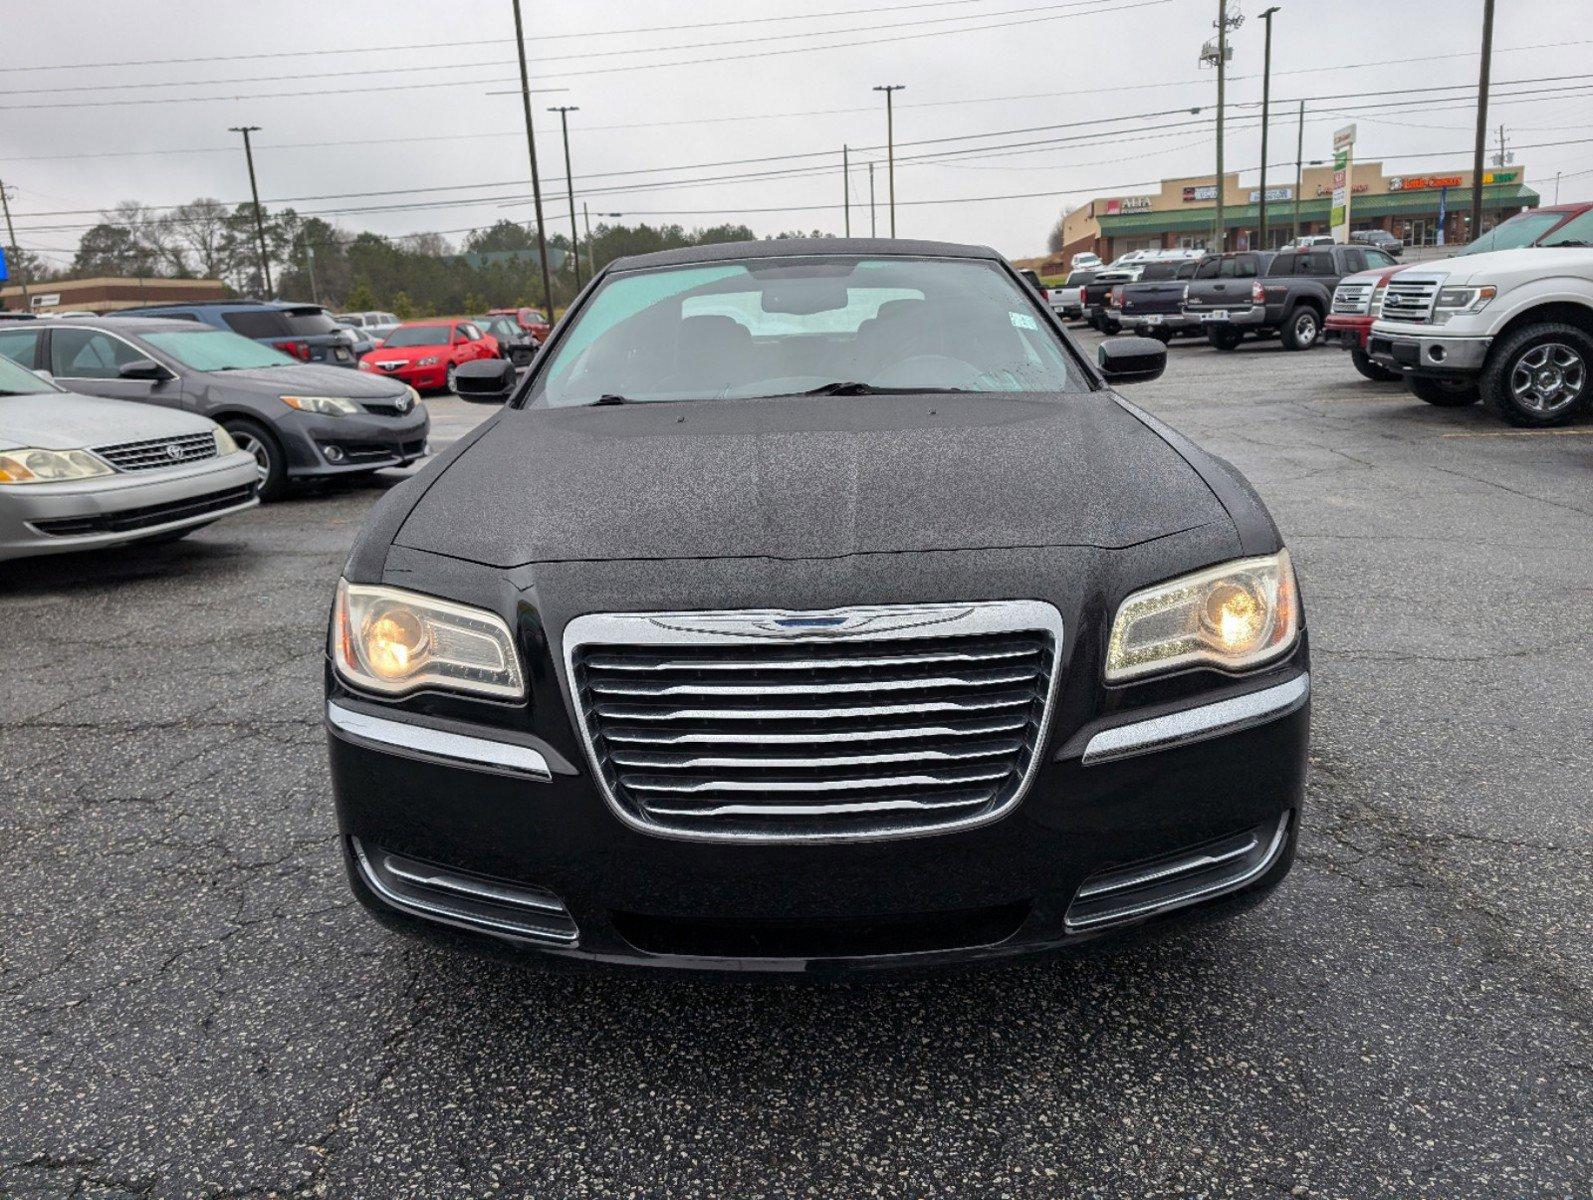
(1281, 212)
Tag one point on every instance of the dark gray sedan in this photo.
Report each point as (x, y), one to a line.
(300, 421)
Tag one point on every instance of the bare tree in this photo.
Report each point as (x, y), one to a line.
(434, 245)
(202, 227)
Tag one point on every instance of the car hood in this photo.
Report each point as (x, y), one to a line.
(1497, 266)
(808, 478)
(56, 421)
(309, 379)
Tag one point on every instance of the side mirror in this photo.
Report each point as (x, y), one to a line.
(143, 368)
(488, 380)
(1131, 359)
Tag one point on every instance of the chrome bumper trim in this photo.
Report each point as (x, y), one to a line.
(423, 741)
(1197, 724)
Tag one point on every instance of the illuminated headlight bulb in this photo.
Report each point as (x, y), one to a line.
(1235, 615)
(395, 643)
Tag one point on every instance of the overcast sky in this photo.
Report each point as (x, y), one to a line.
(1020, 71)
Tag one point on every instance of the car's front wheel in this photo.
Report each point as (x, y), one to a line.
(1539, 376)
(1445, 393)
(1225, 338)
(1302, 329)
(270, 463)
(1373, 371)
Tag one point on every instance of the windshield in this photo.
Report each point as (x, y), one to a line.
(1520, 230)
(419, 335)
(17, 380)
(216, 350)
(785, 326)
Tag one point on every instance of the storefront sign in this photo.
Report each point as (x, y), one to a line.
(1343, 168)
(1359, 189)
(1277, 193)
(1128, 204)
(1207, 191)
(1412, 183)
(1500, 176)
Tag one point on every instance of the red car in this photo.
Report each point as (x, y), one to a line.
(531, 320)
(425, 354)
(1355, 304)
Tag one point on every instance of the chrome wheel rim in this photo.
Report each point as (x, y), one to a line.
(254, 447)
(1549, 378)
(1305, 328)
(449, 378)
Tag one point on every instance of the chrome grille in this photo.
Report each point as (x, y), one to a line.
(1352, 298)
(846, 724)
(1409, 300)
(155, 453)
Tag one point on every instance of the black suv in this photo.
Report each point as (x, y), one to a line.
(307, 332)
(1290, 295)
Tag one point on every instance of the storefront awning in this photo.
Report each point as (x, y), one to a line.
(1281, 212)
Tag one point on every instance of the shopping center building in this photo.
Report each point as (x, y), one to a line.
(1412, 205)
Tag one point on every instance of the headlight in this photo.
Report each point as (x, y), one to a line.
(1459, 301)
(429, 361)
(392, 641)
(224, 443)
(49, 466)
(1235, 615)
(327, 406)
(365, 366)
(1375, 306)
(414, 397)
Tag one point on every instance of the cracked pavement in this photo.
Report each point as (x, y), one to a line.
(191, 1004)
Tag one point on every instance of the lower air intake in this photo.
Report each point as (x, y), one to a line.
(1199, 873)
(476, 902)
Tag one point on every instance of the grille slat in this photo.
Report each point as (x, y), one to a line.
(154, 453)
(917, 719)
(1409, 300)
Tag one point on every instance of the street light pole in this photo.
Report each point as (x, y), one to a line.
(531, 150)
(890, 145)
(564, 111)
(586, 214)
(846, 187)
(1222, 75)
(1482, 120)
(1266, 101)
(1299, 169)
(27, 302)
(259, 221)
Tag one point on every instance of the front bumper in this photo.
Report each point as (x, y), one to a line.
(1428, 354)
(1246, 315)
(492, 813)
(422, 379)
(1346, 332)
(114, 510)
(367, 441)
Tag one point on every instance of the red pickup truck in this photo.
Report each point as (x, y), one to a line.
(1350, 318)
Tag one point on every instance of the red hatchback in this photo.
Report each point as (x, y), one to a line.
(425, 354)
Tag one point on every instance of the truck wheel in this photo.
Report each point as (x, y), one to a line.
(1445, 393)
(1302, 328)
(1370, 369)
(1538, 376)
(1225, 339)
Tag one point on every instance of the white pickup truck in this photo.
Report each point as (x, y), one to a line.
(1513, 328)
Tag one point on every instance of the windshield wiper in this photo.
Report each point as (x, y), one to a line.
(854, 388)
(1558, 245)
(611, 398)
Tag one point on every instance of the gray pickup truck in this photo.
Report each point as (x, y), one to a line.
(1288, 293)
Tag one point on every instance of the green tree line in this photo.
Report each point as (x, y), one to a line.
(416, 275)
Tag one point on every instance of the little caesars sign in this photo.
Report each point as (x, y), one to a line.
(1343, 166)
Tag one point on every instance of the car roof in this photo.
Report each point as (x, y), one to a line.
(137, 325)
(803, 247)
(184, 305)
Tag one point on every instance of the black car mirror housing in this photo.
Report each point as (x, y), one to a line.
(1131, 359)
(485, 379)
(144, 368)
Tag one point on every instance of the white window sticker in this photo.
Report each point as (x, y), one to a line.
(1023, 320)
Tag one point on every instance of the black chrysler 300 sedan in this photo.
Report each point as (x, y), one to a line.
(813, 606)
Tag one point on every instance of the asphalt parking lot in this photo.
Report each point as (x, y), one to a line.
(191, 1003)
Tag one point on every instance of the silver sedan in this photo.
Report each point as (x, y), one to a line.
(81, 473)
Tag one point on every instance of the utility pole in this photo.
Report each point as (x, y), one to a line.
(1216, 54)
(259, 220)
(1266, 100)
(873, 224)
(309, 263)
(1556, 189)
(1299, 169)
(531, 150)
(27, 302)
(564, 111)
(890, 145)
(586, 213)
(846, 187)
(1482, 120)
